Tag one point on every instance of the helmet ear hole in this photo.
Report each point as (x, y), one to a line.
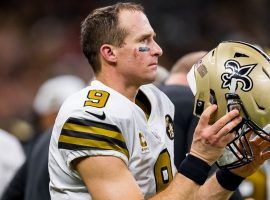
(199, 107)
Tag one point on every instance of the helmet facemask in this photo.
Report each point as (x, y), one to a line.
(239, 152)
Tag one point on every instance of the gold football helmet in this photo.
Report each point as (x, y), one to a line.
(235, 75)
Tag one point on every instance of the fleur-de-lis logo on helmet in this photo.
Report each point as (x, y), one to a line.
(240, 73)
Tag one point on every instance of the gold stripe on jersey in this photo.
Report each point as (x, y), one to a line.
(82, 134)
(94, 130)
(81, 143)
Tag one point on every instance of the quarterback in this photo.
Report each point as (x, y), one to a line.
(114, 139)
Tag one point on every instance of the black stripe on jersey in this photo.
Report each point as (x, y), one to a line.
(93, 136)
(87, 134)
(62, 145)
(72, 143)
(86, 122)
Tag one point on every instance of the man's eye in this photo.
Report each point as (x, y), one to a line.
(144, 40)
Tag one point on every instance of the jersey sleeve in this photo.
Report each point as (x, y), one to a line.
(81, 137)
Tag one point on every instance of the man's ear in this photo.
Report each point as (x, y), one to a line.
(107, 52)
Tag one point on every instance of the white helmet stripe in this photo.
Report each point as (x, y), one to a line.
(191, 80)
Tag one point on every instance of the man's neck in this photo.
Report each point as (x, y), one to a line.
(119, 84)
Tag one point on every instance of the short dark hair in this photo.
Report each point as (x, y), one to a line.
(101, 27)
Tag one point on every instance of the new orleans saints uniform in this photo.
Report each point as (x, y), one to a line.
(100, 121)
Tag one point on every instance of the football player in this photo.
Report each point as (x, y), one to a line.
(114, 139)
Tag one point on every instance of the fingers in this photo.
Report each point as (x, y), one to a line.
(217, 133)
(260, 142)
(206, 115)
(227, 138)
(226, 123)
(260, 149)
(257, 139)
(264, 144)
(265, 155)
(249, 134)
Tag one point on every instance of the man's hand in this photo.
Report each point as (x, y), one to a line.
(261, 152)
(209, 140)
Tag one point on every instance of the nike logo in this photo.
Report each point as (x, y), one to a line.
(101, 117)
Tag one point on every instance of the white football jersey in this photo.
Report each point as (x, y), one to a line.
(100, 121)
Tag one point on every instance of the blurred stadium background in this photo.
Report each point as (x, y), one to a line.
(40, 39)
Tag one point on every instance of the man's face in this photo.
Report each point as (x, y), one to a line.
(138, 67)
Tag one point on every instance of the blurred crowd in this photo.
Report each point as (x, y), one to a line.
(40, 40)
